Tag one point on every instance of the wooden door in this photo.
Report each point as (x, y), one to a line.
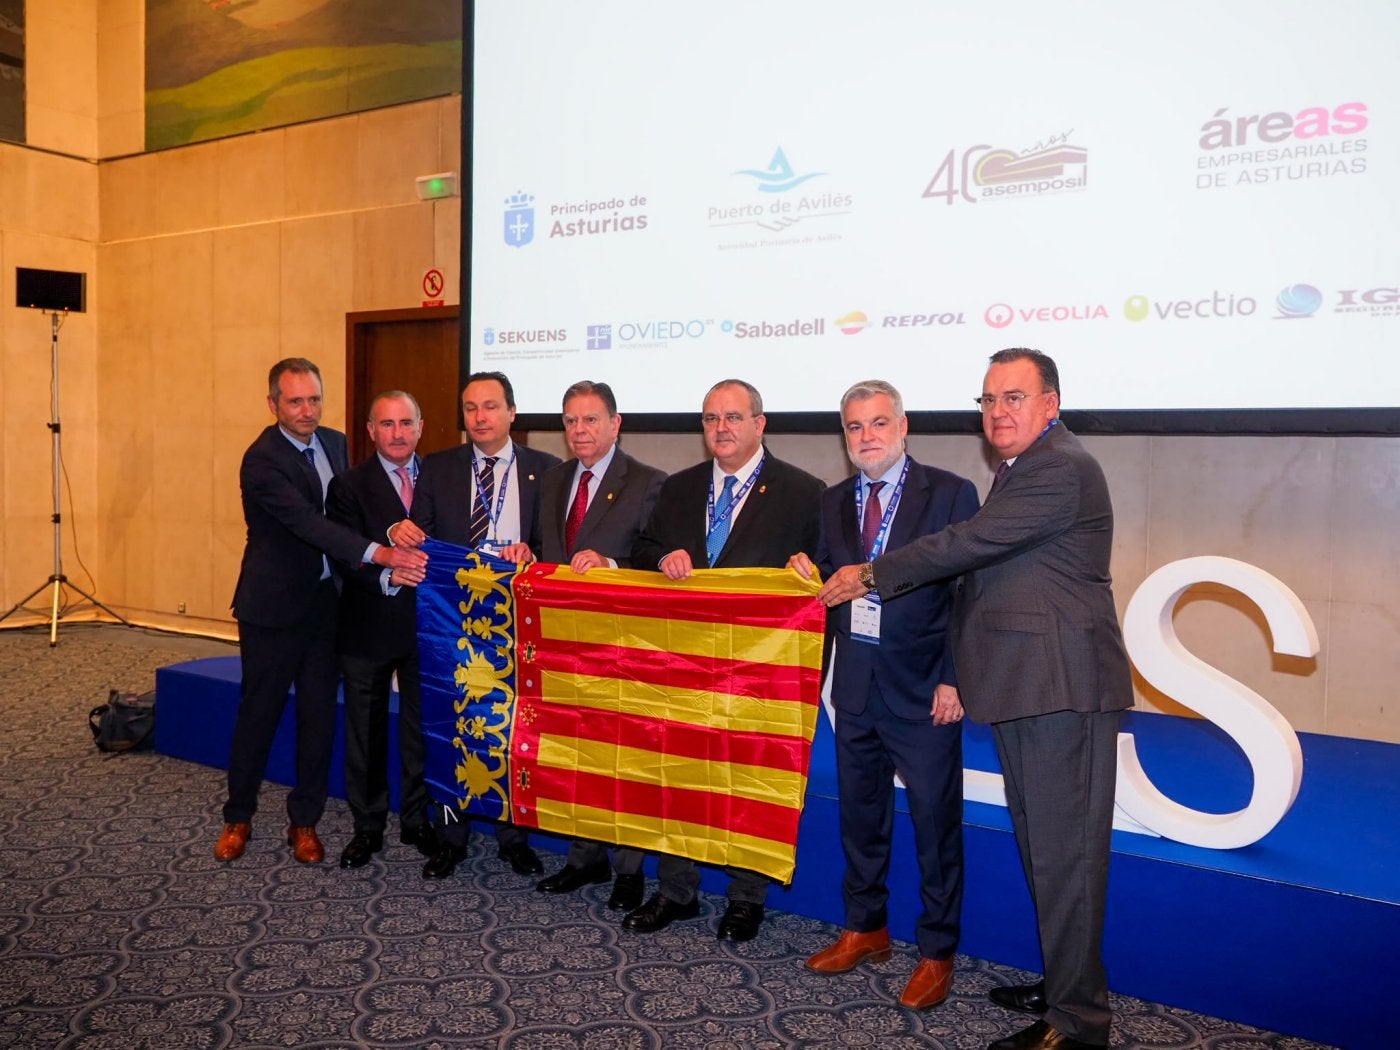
(412, 350)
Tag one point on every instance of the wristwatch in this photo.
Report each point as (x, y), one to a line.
(867, 576)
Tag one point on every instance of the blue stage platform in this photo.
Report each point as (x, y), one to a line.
(1293, 933)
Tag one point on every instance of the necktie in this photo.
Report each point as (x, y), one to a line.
(481, 509)
(870, 526)
(719, 532)
(1002, 468)
(576, 512)
(405, 487)
(310, 454)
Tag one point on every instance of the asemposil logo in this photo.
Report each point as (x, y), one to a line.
(987, 173)
(1297, 301)
(1258, 148)
(772, 201)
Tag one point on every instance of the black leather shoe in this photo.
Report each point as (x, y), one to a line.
(570, 877)
(1024, 998)
(658, 913)
(1040, 1036)
(741, 921)
(422, 838)
(627, 892)
(362, 846)
(444, 861)
(521, 859)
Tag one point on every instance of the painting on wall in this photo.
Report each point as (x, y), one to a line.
(12, 70)
(222, 67)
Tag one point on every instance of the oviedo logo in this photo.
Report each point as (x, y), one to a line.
(987, 173)
(639, 335)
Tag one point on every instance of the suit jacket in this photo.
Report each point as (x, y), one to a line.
(442, 501)
(621, 505)
(371, 623)
(288, 530)
(780, 517)
(1034, 626)
(914, 654)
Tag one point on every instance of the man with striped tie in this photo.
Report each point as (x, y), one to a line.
(485, 493)
(377, 636)
(744, 508)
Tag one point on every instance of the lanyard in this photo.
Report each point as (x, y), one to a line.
(500, 490)
(734, 502)
(878, 547)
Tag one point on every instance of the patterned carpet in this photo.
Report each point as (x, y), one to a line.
(119, 930)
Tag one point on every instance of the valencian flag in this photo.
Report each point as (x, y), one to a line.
(622, 706)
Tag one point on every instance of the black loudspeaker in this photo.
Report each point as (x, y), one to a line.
(51, 289)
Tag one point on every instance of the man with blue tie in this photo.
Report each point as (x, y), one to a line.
(285, 605)
(744, 508)
(377, 637)
(895, 695)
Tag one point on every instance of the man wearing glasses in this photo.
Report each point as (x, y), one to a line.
(1040, 656)
(745, 508)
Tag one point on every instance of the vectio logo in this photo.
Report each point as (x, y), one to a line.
(519, 219)
(853, 323)
(779, 176)
(1297, 300)
(1137, 307)
(999, 315)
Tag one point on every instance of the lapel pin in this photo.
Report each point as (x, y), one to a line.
(762, 489)
(532, 477)
(610, 495)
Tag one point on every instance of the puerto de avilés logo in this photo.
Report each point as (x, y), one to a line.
(779, 176)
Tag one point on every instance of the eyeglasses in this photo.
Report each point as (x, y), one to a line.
(709, 419)
(1013, 401)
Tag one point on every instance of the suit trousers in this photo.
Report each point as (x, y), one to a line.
(367, 687)
(625, 859)
(871, 746)
(456, 832)
(275, 659)
(680, 879)
(1060, 771)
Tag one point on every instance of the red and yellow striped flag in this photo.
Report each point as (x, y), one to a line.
(671, 716)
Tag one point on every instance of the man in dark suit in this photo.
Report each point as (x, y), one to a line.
(593, 507)
(743, 508)
(1040, 656)
(895, 693)
(285, 604)
(377, 637)
(482, 494)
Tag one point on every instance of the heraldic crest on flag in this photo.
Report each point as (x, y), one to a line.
(622, 706)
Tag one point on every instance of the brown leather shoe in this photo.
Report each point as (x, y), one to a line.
(850, 950)
(306, 847)
(928, 985)
(233, 840)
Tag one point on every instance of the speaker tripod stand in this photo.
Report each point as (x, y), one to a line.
(57, 581)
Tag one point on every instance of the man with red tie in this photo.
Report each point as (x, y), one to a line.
(592, 508)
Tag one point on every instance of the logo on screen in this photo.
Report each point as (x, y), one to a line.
(600, 337)
(988, 173)
(999, 315)
(1253, 149)
(1378, 302)
(489, 337)
(519, 219)
(853, 322)
(1297, 300)
(1137, 307)
(779, 176)
(1217, 304)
